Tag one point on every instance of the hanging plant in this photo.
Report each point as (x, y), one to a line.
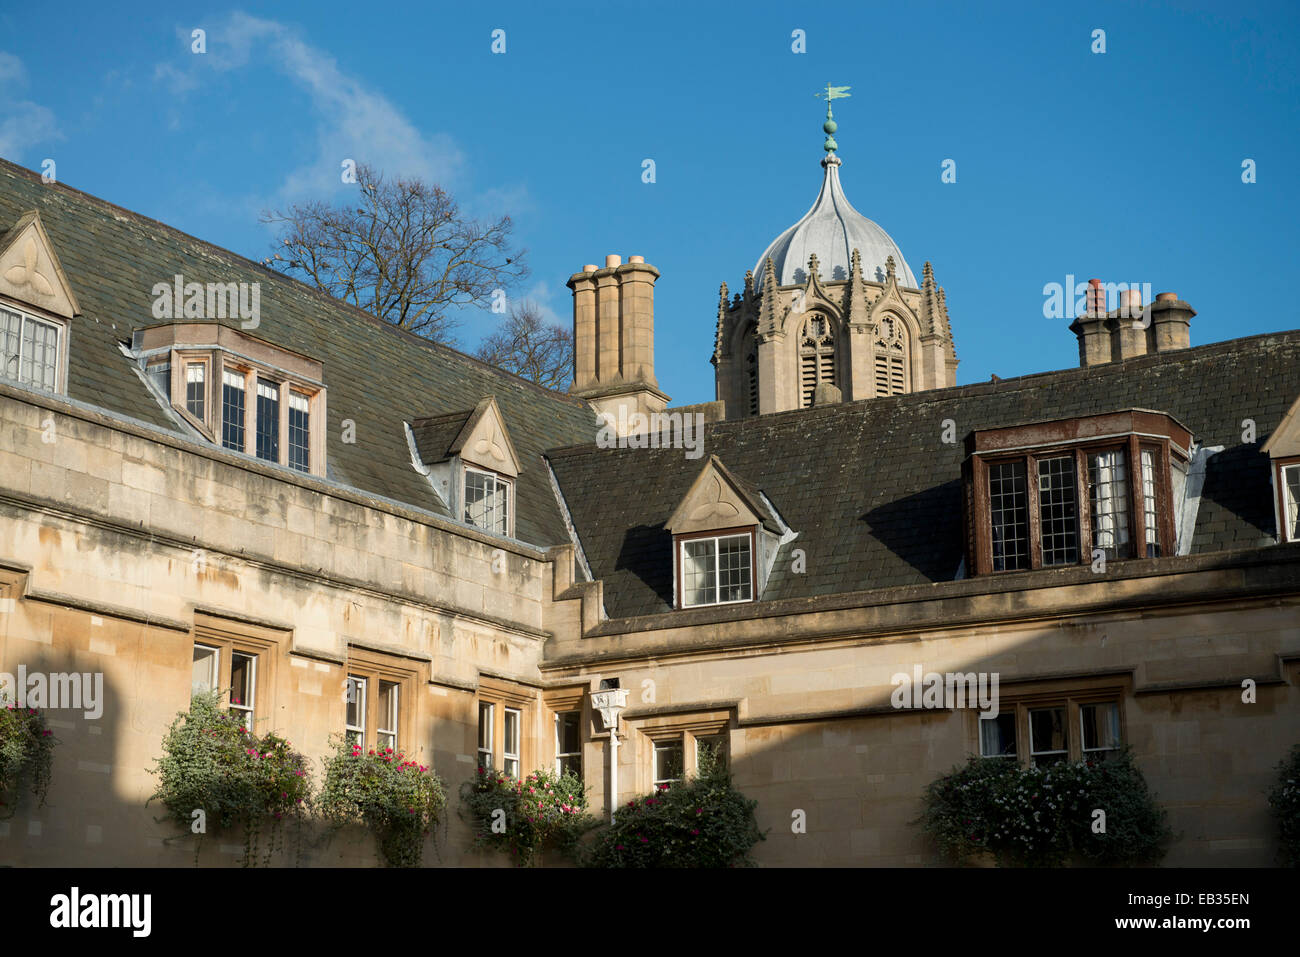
(26, 756)
(521, 817)
(1046, 816)
(1284, 800)
(215, 775)
(700, 822)
(399, 800)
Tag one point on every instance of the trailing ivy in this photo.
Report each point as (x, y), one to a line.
(400, 801)
(520, 818)
(1284, 800)
(1045, 816)
(212, 764)
(700, 822)
(26, 756)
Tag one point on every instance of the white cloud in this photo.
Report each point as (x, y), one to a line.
(353, 121)
(543, 295)
(23, 123)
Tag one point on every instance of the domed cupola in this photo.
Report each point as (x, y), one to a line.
(831, 312)
(833, 229)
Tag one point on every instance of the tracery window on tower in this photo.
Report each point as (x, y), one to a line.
(891, 359)
(816, 357)
(750, 352)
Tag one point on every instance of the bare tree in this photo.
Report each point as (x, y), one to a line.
(401, 250)
(529, 346)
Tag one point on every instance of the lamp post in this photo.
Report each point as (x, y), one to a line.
(610, 702)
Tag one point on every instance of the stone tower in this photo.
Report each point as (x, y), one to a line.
(830, 312)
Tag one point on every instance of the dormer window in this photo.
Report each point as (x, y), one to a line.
(1283, 448)
(232, 410)
(196, 387)
(30, 350)
(242, 393)
(37, 306)
(716, 570)
(487, 501)
(471, 463)
(725, 540)
(1066, 493)
(1290, 475)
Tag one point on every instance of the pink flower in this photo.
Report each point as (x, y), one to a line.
(695, 831)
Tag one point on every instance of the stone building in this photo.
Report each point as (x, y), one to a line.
(214, 476)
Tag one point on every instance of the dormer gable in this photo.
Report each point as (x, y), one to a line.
(725, 539)
(471, 463)
(485, 441)
(30, 271)
(717, 500)
(1283, 450)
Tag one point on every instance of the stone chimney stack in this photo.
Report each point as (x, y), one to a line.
(1133, 329)
(1094, 338)
(613, 337)
(1171, 319)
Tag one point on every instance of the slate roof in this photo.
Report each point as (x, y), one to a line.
(434, 434)
(874, 493)
(376, 375)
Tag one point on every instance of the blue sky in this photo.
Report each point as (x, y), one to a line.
(1125, 165)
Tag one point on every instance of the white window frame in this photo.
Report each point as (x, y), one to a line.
(509, 757)
(1015, 734)
(500, 482)
(1114, 706)
(560, 753)
(679, 741)
(247, 709)
(214, 680)
(356, 686)
(1064, 752)
(716, 542)
(386, 737)
(485, 751)
(1289, 502)
(60, 328)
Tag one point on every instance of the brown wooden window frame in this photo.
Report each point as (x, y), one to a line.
(1071, 700)
(978, 498)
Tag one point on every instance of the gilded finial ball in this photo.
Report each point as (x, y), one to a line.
(830, 126)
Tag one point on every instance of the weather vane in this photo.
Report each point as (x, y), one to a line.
(832, 93)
